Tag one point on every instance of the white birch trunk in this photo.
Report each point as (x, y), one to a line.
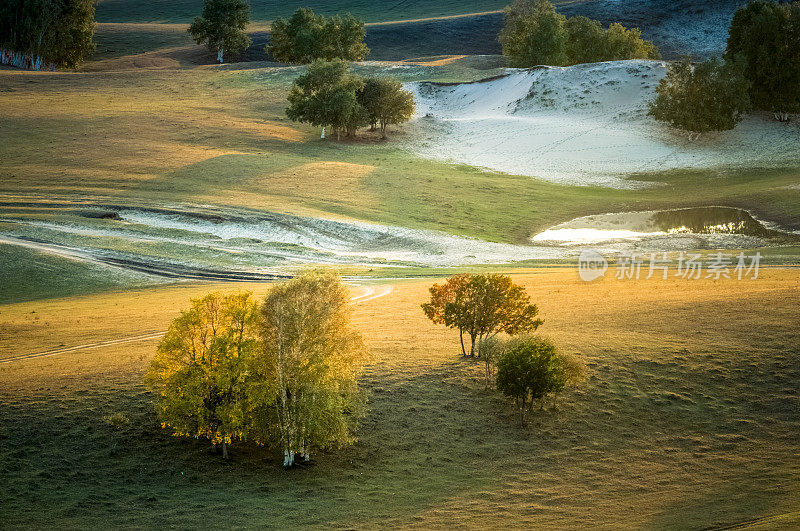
(219, 55)
(323, 133)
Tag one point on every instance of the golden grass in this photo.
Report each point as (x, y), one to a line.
(688, 419)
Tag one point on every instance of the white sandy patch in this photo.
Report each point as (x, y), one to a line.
(585, 124)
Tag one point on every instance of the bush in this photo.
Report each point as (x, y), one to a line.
(765, 37)
(306, 37)
(222, 26)
(534, 34)
(708, 97)
(530, 368)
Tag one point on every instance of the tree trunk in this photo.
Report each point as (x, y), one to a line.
(224, 450)
(472, 345)
(383, 131)
(463, 350)
(219, 55)
(323, 133)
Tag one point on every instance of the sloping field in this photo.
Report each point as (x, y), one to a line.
(688, 419)
(585, 124)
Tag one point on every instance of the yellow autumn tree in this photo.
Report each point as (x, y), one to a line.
(309, 360)
(200, 366)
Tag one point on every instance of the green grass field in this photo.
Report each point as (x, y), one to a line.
(183, 11)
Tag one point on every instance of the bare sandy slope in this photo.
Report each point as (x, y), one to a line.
(585, 124)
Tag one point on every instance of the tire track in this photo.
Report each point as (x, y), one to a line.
(370, 293)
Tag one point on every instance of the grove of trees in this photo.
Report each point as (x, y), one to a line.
(282, 373)
(222, 26)
(765, 38)
(329, 95)
(46, 33)
(535, 34)
(306, 37)
(711, 96)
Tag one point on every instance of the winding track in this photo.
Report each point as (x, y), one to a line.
(370, 293)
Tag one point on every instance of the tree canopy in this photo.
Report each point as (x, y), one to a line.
(311, 357)
(222, 26)
(200, 366)
(36, 33)
(708, 97)
(328, 95)
(482, 306)
(282, 373)
(535, 34)
(306, 37)
(386, 102)
(765, 38)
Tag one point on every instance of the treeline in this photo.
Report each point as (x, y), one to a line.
(535, 34)
(46, 33)
(281, 373)
(760, 70)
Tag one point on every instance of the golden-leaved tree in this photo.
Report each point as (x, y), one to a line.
(309, 361)
(200, 366)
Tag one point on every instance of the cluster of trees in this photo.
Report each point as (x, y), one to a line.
(329, 95)
(222, 26)
(306, 37)
(281, 373)
(39, 33)
(482, 307)
(535, 34)
(761, 70)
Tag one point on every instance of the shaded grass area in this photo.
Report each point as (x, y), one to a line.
(117, 40)
(685, 421)
(26, 275)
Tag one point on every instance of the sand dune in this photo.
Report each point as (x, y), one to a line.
(585, 124)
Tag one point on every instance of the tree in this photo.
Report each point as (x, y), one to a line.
(311, 357)
(623, 43)
(35, 33)
(527, 371)
(765, 37)
(386, 102)
(200, 367)
(586, 41)
(222, 26)
(534, 34)
(482, 306)
(325, 96)
(708, 97)
(306, 37)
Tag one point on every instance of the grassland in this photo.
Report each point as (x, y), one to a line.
(688, 419)
(220, 137)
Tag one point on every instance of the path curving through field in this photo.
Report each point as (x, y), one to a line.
(369, 293)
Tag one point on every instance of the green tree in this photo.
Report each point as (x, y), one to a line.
(386, 102)
(708, 97)
(622, 43)
(482, 306)
(765, 38)
(35, 33)
(586, 41)
(222, 26)
(527, 371)
(534, 34)
(200, 367)
(310, 359)
(325, 96)
(306, 37)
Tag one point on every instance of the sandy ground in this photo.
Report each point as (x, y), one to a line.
(585, 124)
